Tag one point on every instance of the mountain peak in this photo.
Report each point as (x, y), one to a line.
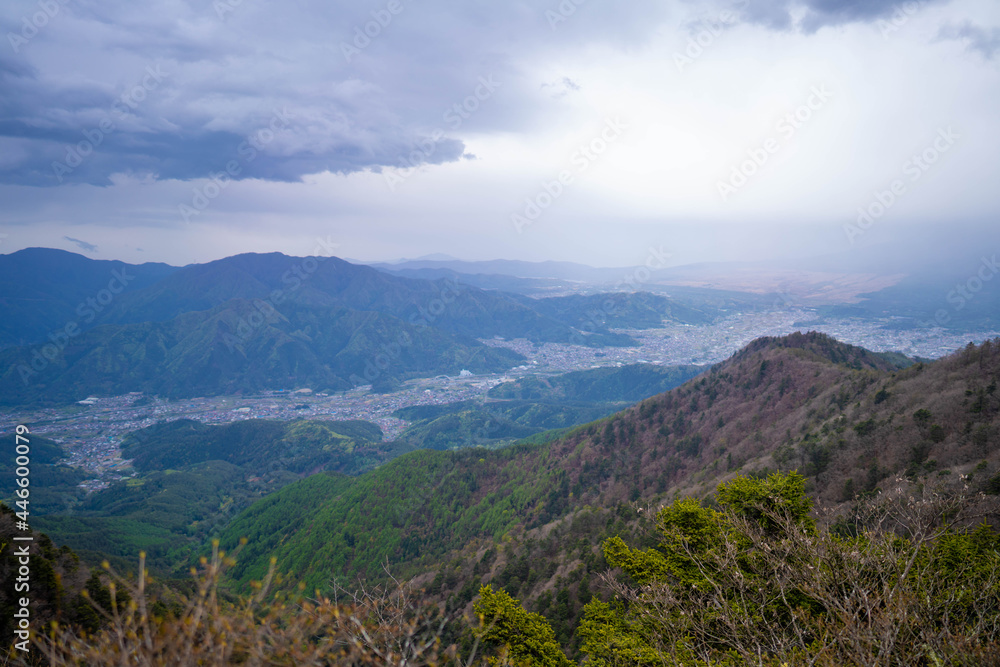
(819, 345)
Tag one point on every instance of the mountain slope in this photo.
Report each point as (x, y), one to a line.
(623, 310)
(192, 477)
(43, 290)
(240, 346)
(791, 403)
(329, 282)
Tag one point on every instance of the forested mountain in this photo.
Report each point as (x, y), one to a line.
(543, 520)
(531, 517)
(253, 322)
(329, 282)
(621, 310)
(533, 404)
(42, 290)
(192, 478)
(239, 347)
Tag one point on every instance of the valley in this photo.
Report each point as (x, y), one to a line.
(91, 434)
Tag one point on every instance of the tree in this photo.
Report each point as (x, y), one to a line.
(516, 636)
(906, 581)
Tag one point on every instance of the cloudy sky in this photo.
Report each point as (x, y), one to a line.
(586, 130)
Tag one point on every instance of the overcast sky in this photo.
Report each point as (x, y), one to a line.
(585, 130)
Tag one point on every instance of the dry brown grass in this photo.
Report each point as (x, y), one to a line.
(389, 625)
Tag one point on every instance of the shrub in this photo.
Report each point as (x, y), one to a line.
(904, 582)
(372, 627)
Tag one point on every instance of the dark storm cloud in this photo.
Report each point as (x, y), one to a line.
(178, 90)
(816, 14)
(983, 40)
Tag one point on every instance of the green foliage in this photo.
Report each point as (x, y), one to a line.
(465, 426)
(757, 582)
(516, 635)
(410, 511)
(866, 427)
(197, 477)
(936, 433)
(261, 446)
(55, 582)
(689, 531)
(763, 501)
(54, 486)
(610, 639)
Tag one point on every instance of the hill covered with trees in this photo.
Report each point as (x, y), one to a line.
(530, 518)
(684, 506)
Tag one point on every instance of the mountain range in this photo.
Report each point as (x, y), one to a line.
(253, 322)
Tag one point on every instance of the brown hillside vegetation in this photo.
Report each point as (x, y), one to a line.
(530, 518)
(839, 414)
(842, 416)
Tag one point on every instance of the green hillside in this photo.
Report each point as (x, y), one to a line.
(258, 445)
(238, 347)
(55, 486)
(193, 478)
(530, 517)
(621, 310)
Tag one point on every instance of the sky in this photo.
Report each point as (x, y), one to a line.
(581, 130)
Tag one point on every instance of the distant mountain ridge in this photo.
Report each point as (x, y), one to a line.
(42, 291)
(268, 321)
